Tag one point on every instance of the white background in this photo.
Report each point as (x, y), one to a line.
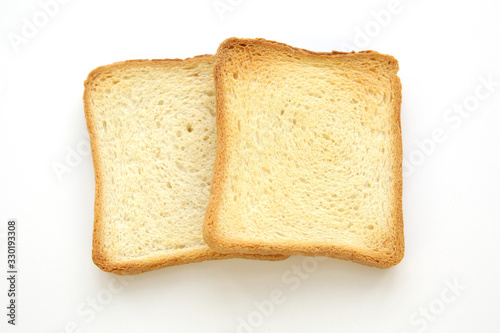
(446, 51)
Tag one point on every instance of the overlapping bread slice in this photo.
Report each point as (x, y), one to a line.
(309, 154)
(153, 138)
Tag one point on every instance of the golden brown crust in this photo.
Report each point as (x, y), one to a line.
(222, 243)
(158, 260)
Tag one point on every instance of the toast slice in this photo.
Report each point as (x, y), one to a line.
(309, 154)
(153, 137)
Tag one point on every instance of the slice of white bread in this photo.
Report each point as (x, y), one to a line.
(153, 137)
(309, 154)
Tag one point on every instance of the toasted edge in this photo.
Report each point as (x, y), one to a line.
(155, 260)
(221, 243)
